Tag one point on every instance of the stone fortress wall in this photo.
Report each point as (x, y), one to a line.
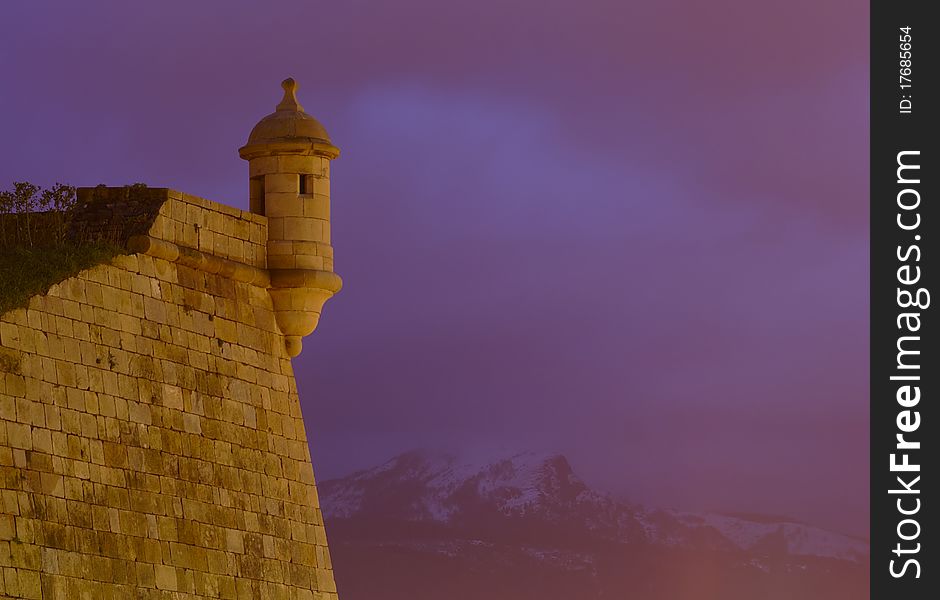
(151, 440)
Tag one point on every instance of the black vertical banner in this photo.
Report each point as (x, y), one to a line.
(905, 269)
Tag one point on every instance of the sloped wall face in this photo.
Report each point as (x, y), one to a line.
(151, 440)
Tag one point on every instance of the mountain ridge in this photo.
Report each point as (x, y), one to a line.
(443, 488)
(528, 521)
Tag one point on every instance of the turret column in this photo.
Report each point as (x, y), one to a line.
(289, 154)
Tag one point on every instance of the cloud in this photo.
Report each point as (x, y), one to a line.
(622, 230)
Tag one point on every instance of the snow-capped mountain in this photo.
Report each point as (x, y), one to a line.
(529, 517)
(434, 487)
(431, 487)
(514, 485)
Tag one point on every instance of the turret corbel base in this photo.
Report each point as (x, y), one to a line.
(298, 296)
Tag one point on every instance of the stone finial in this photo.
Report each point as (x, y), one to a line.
(289, 101)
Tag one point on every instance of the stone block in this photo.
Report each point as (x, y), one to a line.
(304, 229)
(165, 577)
(317, 207)
(298, 164)
(280, 182)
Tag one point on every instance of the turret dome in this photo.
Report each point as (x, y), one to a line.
(288, 123)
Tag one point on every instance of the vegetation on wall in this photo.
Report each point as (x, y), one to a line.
(38, 248)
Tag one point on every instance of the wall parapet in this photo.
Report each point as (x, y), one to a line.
(210, 237)
(172, 216)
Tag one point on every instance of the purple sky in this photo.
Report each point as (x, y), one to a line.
(633, 233)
